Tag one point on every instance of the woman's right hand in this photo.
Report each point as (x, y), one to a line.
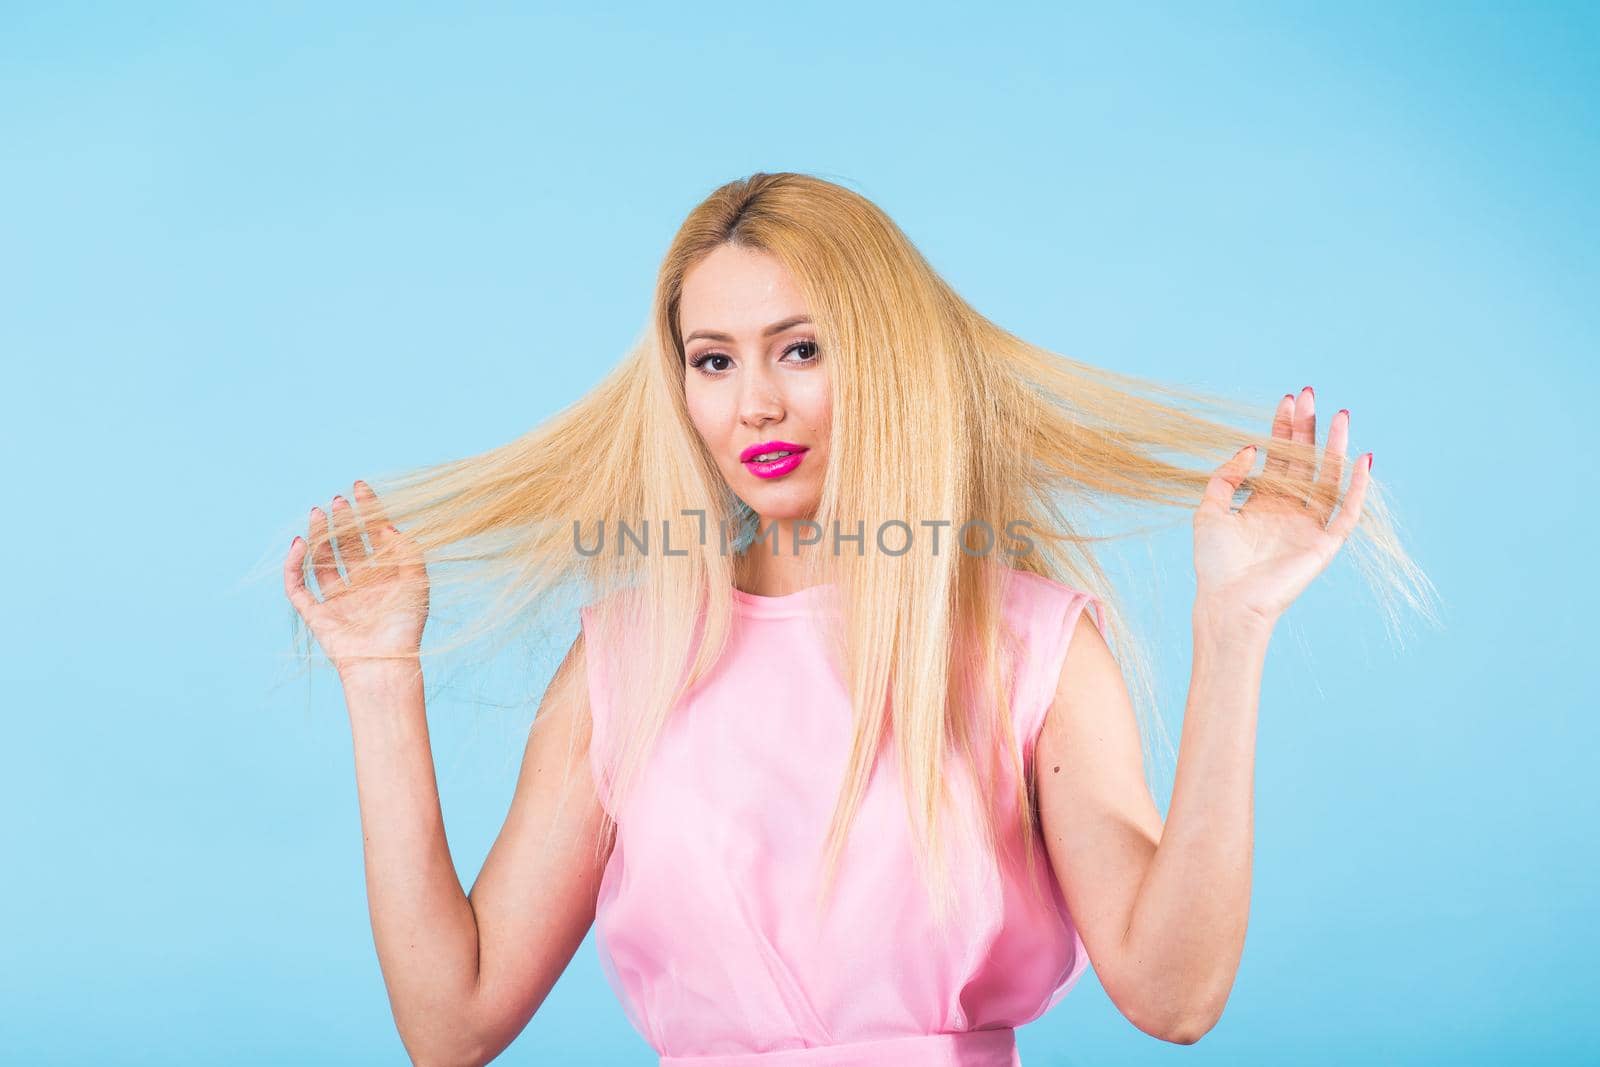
(379, 606)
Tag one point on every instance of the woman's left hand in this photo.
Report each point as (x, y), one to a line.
(1253, 562)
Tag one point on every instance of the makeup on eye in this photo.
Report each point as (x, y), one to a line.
(698, 361)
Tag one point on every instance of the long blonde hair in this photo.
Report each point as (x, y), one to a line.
(985, 430)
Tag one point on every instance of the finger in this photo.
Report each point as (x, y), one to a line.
(372, 510)
(1276, 469)
(329, 580)
(1303, 463)
(294, 579)
(380, 532)
(1326, 492)
(347, 537)
(1350, 511)
(1227, 479)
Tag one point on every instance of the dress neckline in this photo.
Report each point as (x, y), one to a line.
(799, 602)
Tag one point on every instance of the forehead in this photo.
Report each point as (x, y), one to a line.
(737, 290)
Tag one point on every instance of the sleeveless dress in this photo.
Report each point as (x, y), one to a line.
(705, 923)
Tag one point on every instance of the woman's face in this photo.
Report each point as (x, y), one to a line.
(755, 381)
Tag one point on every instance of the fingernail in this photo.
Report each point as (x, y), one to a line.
(1345, 412)
(1369, 461)
(338, 500)
(1310, 390)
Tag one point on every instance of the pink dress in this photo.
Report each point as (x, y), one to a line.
(704, 921)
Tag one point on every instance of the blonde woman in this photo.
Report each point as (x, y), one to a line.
(840, 764)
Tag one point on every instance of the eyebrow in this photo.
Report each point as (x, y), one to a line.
(777, 327)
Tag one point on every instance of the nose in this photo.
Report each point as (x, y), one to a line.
(759, 400)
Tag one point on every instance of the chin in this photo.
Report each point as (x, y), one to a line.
(776, 506)
(782, 512)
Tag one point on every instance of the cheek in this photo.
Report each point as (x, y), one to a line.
(702, 412)
(815, 405)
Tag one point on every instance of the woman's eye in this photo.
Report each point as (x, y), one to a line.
(700, 361)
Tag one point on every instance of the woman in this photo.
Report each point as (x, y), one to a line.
(834, 683)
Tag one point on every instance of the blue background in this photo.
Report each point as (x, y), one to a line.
(221, 228)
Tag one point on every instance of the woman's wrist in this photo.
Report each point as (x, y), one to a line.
(380, 674)
(1222, 619)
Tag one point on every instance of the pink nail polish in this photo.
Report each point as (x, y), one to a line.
(1345, 412)
(1369, 461)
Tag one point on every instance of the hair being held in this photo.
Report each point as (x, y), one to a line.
(984, 428)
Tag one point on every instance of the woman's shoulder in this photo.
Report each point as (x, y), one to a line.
(1043, 614)
(1029, 588)
(605, 622)
(610, 604)
(1044, 611)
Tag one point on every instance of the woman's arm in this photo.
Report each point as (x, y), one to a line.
(464, 974)
(422, 924)
(1163, 910)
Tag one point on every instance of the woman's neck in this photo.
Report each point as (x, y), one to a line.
(761, 571)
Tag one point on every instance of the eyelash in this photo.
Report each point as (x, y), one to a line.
(697, 361)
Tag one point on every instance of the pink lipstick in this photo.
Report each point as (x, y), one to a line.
(774, 467)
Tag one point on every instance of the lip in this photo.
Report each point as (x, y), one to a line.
(768, 446)
(776, 468)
